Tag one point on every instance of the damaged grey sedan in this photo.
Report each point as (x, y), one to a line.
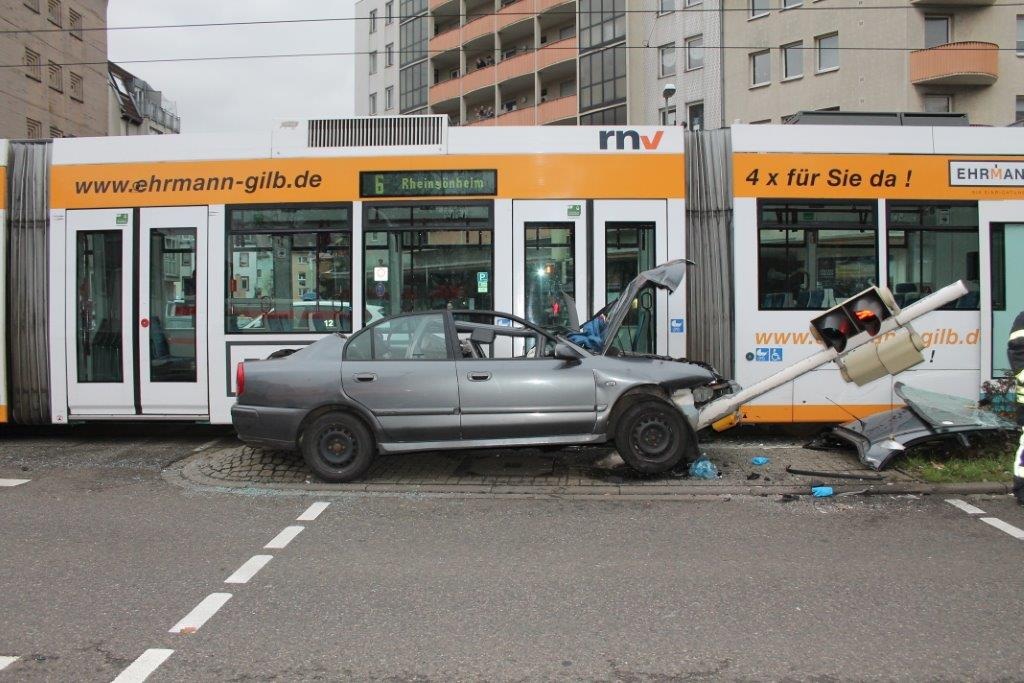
(450, 379)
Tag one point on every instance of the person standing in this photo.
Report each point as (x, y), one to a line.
(1015, 351)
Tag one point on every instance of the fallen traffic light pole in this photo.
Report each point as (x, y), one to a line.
(845, 348)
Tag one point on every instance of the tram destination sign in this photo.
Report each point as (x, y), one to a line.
(428, 183)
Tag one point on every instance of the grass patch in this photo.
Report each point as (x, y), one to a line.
(990, 458)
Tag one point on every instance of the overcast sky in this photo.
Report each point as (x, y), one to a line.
(247, 94)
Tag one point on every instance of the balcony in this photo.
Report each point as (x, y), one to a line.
(477, 27)
(958, 3)
(442, 42)
(435, 4)
(520, 65)
(518, 117)
(444, 91)
(557, 110)
(545, 5)
(514, 12)
(968, 63)
(481, 78)
(555, 53)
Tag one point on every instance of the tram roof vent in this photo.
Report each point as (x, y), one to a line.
(378, 131)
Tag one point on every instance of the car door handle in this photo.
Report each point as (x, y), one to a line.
(365, 377)
(479, 376)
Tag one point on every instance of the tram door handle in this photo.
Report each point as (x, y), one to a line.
(365, 377)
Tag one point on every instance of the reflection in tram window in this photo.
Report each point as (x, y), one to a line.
(172, 305)
(814, 255)
(98, 308)
(421, 257)
(550, 273)
(629, 250)
(930, 246)
(290, 269)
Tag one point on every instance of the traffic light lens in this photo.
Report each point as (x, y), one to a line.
(869, 321)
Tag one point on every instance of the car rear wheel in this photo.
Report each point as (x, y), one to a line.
(651, 436)
(338, 447)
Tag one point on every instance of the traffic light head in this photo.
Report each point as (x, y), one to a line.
(863, 312)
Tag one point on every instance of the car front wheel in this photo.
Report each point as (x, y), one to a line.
(651, 436)
(338, 447)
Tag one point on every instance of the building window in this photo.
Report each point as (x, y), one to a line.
(695, 115)
(938, 104)
(691, 3)
(77, 87)
(694, 53)
(936, 30)
(412, 88)
(389, 97)
(273, 239)
(373, 62)
(786, 4)
(1020, 34)
(616, 116)
(373, 103)
(931, 245)
(827, 48)
(813, 255)
(373, 21)
(1020, 108)
(56, 77)
(53, 11)
(761, 68)
(389, 13)
(33, 64)
(56, 132)
(33, 129)
(389, 55)
(667, 116)
(666, 60)
(75, 20)
(412, 41)
(32, 5)
(603, 78)
(666, 6)
(759, 8)
(601, 23)
(792, 60)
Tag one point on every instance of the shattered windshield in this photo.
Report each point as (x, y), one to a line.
(943, 412)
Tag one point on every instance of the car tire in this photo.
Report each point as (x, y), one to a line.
(338, 447)
(651, 436)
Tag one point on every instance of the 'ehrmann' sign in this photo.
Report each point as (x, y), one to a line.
(427, 183)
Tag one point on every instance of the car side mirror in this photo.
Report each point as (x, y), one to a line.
(567, 353)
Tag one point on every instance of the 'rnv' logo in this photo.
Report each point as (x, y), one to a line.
(635, 139)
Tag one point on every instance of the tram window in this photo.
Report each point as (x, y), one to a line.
(421, 257)
(813, 255)
(629, 250)
(289, 270)
(98, 335)
(930, 246)
(172, 305)
(550, 272)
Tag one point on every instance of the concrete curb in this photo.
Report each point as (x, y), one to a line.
(186, 472)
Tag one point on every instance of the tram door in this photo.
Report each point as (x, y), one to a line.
(630, 237)
(136, 312)
(1007, 289)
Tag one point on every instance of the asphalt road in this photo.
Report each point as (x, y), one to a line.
(100, 557)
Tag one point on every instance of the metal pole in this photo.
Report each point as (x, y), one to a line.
(716, 410)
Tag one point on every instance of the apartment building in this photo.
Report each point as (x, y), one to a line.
(62, 88)
(136, 108)
(932, 56)
(540, 62)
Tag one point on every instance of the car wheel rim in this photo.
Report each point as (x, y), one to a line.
(338, 446)
(653, 437)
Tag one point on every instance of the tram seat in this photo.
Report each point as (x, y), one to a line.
(815, 298)
(969, 300)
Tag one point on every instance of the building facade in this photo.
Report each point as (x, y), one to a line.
(932, 56)
(136, 108)
(530, 62)
(62, 88)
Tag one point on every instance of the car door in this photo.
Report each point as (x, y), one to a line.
(402, 371)
(523, 397)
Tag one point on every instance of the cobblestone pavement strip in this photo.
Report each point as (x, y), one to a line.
(573, 471)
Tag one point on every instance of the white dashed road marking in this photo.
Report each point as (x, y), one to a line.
(1003, 526)
(312, 512)
(966, 507)
(285, 537)
(141, 668)
(13, 482)
(249, 569)
(6, 662)
(202, 612)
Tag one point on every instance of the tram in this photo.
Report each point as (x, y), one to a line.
(139, 271)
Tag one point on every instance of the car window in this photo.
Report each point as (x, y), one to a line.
(498, 337)
(414, 337)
